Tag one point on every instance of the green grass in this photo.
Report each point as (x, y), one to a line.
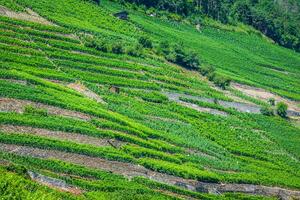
(16, 186)
(233, 53)
(160, 135)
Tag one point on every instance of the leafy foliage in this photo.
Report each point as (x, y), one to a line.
(281, 109)
(276, 19)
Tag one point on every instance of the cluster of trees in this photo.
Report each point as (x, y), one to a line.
(281, 109)
(117, 47)
(179, 55)
(278, 19)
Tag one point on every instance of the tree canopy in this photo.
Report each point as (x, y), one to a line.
(278, 19)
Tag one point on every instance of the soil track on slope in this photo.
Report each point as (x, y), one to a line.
(29, 15)
(72, 137)
(16, 105)
(54, 183)
(293, 111)
(85, 91)
(130, 170)
(264, 95)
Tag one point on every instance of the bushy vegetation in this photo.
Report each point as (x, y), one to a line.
(281, 109)
(278, 20)
(38, 62)
(267, 110)
(179, 55)
(16, 186)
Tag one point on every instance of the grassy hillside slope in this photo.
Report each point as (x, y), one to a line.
(61, 118)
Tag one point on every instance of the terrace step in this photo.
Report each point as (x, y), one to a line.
(29, 15)
(54, 183)
(16, 105)
(130, 171)
(85, 91)
(72, 137)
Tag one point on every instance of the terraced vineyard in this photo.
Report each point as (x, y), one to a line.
(79, 123)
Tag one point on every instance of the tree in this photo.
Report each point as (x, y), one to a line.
(282, 109)
(97, 1)
(266, 110)
(271, 101)
(146, 42)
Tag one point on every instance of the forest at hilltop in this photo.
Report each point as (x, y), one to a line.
(278, 19)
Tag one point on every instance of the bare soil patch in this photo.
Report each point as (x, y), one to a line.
(21, 82)
(29, 15)
(165, 119)
(16, 105)
(281, 193)
(85, 91)
(203, 109)
(264, 95)
(130, 170)
(54, 183)
(126, 169)
(196, 152)
(72, 137)
(176, 97)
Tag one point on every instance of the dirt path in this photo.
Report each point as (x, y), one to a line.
(202, 109)
(293, 111)
(29, 15)
(242, 107)
(281, 193)
(126, 169)
(21, 82)
(176, 97)
(130, 170)
(85, 91)
(54, 183)
(72, 137)
(18, 106)
(264, 95)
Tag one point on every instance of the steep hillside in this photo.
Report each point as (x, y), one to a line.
(278, 19)
(88, 112)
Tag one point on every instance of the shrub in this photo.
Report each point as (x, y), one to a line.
(136, 51)
(211, 76)
(266, 110)
(146, 42)
(205, 70)
(18, 169)
(97, 1)
(221, 81)
(191, 60)
(117, 48)
(282, 109)
(271, 101)
(164, 48)
(97, 44)
(180, 56)
(102, 46)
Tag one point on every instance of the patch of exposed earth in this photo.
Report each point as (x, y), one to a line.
(202, 109)
(72, 137)
(54, 183)
(130, 170)
(21, 82)
(85, 91)
(242, 107)
(28, 15)
(18, 106)
(294, 110)
(265, 95)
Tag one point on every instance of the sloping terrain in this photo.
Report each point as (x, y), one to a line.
(96, 125)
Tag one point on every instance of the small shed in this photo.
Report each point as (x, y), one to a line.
(122, 15)
(114, 89)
